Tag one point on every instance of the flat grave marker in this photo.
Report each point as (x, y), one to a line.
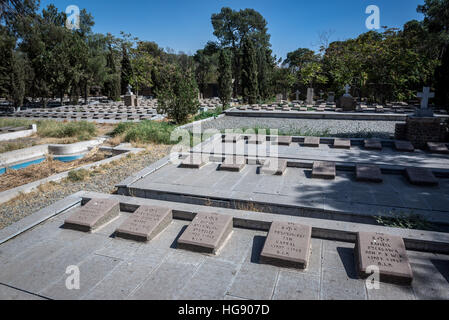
(145, 223)
(94, 214)
(283, 140)
(385, 252)
(313, 142)
(193, 161)
(287, 245)
(206, 233)
(342, 143)
(368, 173)
(324, 170)
(373, 144)
(233, 164)
(421, 177)
(275, 167)
(257, 139)
(436, 147)
(406, 146)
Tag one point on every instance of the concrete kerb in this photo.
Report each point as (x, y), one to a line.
(18, 134)
(27, 188)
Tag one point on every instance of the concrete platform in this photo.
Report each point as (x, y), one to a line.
(34, 263)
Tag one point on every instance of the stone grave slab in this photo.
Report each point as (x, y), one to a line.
(313, 142)
(373, 144)
(368, 173)
(232, 138)
(287, 245)
(233, 163)
(283, 140)
(145, 223)
(275, 167)
(193, 161)
(206, 233)
(324, 170)
(385, 252)
(94, 214)
(436, 147)
(342, 143)
(421, 177)
(257, 139)
(406, 146)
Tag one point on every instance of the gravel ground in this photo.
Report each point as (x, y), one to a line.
(323, 128)
(101, 180)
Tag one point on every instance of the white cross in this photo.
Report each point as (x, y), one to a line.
(425, 96)
(347, 88)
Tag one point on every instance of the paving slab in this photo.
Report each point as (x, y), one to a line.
(207, 233)
(283, 140)
(324, 170)
(405, 146)
(313, 142)
(145, 223)
(368, 173)
(275, 167)
(93, 215)
(421, 177)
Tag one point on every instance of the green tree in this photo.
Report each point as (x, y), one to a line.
(178, 94)
(225, 77)
(126, 70)
(250, 86)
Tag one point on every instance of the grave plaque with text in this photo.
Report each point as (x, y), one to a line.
(206, 233)
(93, 215)
(145, 223)
(385, 253)
(287, 245)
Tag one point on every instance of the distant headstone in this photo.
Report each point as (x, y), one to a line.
(385, 253)
(145, 223)
(421, 177)
(297, 95)
(425, 111)
(331, 97)
(347, 102)
(93, 215)
(275, 167)
(287, 245)
(369, 173)
(313, 142)
(324, 170)
(310, 95)
(206, 233)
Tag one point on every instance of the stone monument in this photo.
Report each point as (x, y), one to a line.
(310, 94)
(130, 98)
(347, 102)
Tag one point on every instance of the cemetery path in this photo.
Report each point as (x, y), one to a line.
(100, 180)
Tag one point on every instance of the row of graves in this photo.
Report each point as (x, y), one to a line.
(245, 216)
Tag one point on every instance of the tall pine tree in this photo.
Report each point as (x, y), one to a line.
(127, 70)
(225, 77)
(250, 86)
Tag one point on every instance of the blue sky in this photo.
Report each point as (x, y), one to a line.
(184, 25)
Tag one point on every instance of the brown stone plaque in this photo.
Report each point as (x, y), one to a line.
(233, 163)
(274, 167)
(385, 252)
(145, 223)
(373, 144)
(324, 170)
(342, 143)
(206, 233)
(287, 245)
(436, 147)
(193, 161)
(93, 215)
(369, 173)
(406, 146)
(312, 142)
(421, 177)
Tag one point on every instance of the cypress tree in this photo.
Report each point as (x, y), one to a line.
(127, 71)
(225, 77)
(249, 72)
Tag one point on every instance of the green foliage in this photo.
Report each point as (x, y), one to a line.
(249, 72)
(404, 221)
(78, 175)
(145, 132)
(54, 129)
(225, 78)
(178, 94)
(208, 114)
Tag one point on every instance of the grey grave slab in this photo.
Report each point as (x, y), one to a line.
(373, 144)
(233, 164)
(436, 147)
(145, 223)
(194, 161)
(368, 173)
(405, 146)
(421, 177)
(207, 233)
(275, 167)
(257, 139)
(312, 142)
(232, 138)
(385, 252)
(324, 170)
(342, 143)
(283, 140)
(287, 245)
(93, 215)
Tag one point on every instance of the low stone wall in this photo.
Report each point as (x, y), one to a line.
(420, 130)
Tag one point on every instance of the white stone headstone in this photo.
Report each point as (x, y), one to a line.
(424, 111)
(310, 95)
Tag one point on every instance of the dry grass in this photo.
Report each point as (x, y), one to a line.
(15, 178)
